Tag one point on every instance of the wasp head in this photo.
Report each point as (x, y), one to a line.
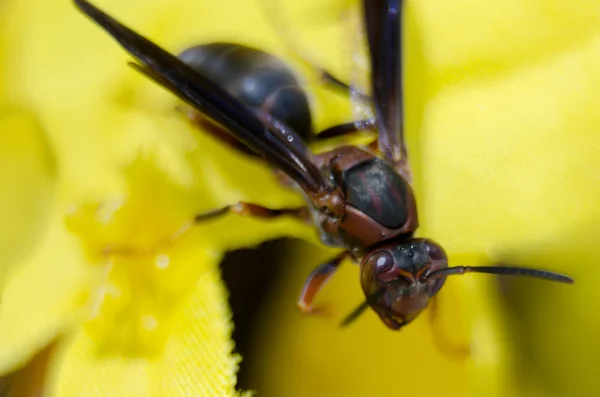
(395, 280)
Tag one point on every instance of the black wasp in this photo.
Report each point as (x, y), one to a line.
(359, 198)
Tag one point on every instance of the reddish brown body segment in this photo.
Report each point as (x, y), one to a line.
(361, 214)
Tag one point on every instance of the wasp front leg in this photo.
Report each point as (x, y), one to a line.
(316, 280)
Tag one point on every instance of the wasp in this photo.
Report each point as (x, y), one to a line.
(358, 198)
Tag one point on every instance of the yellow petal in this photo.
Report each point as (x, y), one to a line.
(510, 168)
(508, 181)
(95, 138)
(470, 40)
(27, 173)
(35, 297)
(513, 155)
(554, 329)
(196, 359)
(149, 270)
(43, 295)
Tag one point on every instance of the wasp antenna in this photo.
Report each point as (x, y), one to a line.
(503, 270)
(360, 309)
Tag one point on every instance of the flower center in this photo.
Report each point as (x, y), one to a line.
(145, 272)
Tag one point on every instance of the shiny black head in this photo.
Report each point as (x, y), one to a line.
(395, 279)
(399, 279)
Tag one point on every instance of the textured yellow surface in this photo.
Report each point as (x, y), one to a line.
(503, 130)
(140, 315)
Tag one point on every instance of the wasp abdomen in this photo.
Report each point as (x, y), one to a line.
(257, 79)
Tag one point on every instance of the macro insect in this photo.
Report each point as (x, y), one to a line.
(359, 198)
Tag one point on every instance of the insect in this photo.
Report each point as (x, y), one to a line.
(359, 198)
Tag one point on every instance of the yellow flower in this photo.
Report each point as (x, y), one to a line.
(502, 122)
(133, 312)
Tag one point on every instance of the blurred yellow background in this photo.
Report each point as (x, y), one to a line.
(503, 130)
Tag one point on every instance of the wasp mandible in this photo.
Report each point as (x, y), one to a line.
(359, 198)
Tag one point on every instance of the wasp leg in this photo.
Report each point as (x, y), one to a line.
(244, 209)
(333, 81)
(315, 282)
(342, 87)
(254, 210)
(350, 128)
(440, 339)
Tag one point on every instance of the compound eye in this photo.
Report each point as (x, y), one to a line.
(383, 266)
(437, 285)
(435, 251)
(383, 262)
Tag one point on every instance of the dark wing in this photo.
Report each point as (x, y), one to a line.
(213, 101)
(383, 24)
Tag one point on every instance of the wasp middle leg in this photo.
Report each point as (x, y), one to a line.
(254, 210)
(245, 209)
(333, 82)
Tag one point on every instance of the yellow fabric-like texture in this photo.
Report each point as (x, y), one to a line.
(140, 313)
